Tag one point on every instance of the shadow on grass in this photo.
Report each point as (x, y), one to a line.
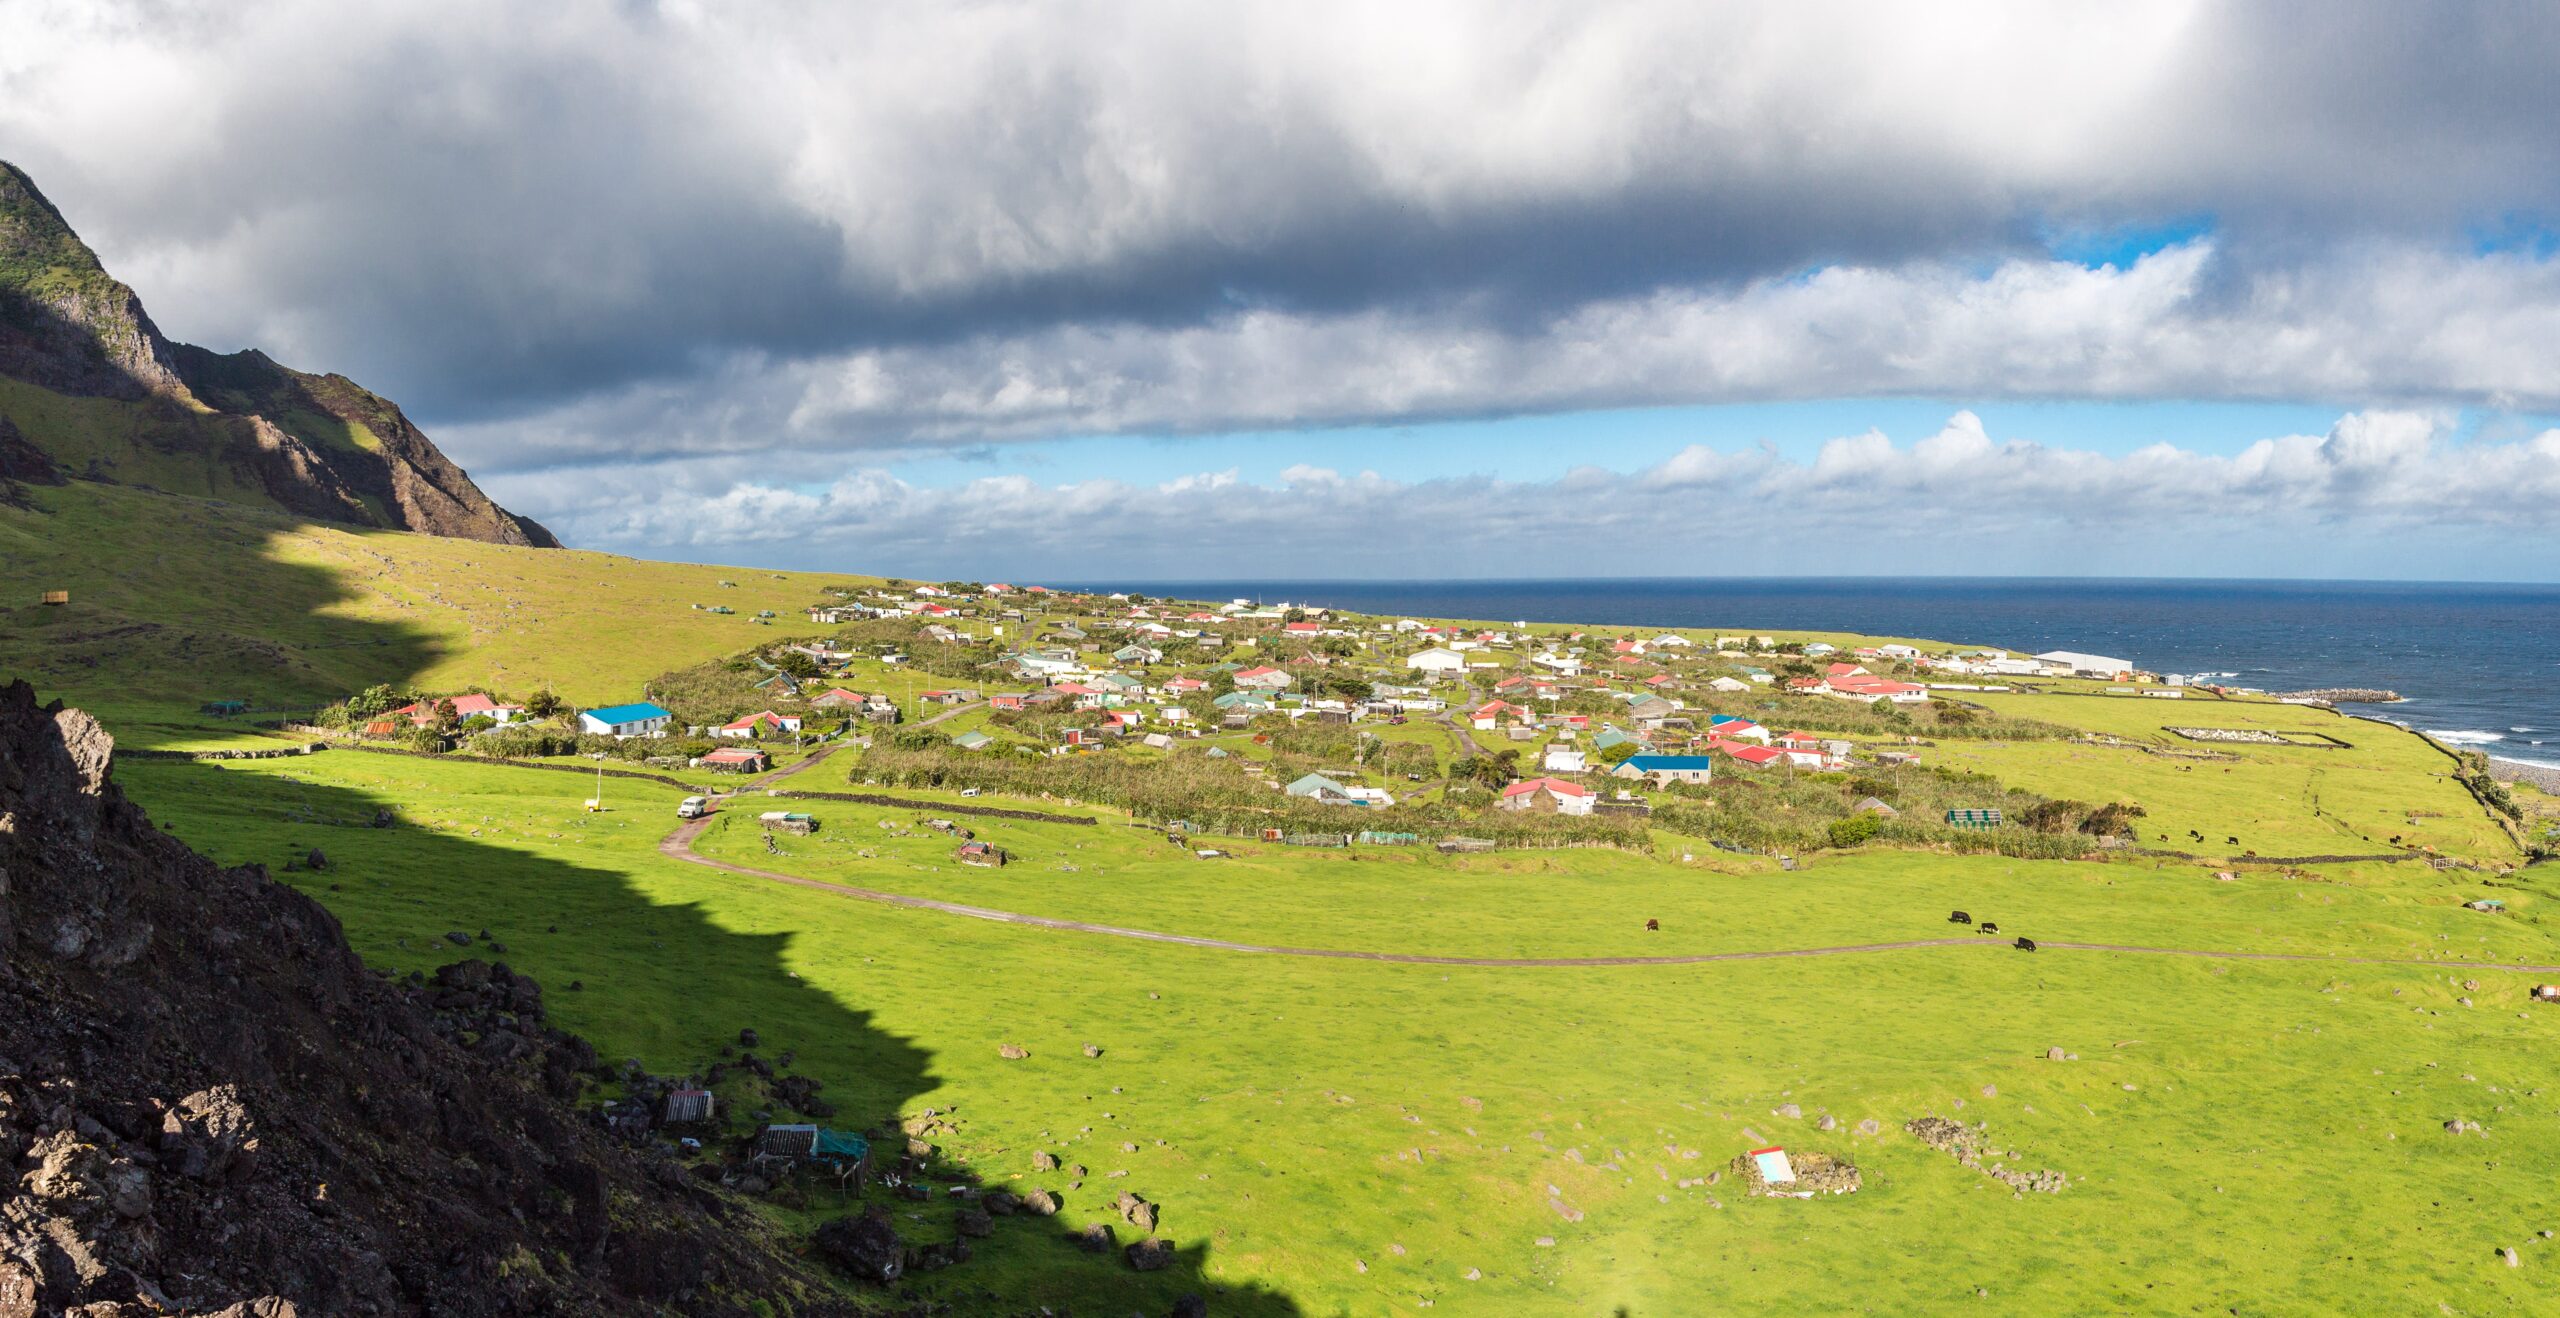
(668, 985)
(177, 601)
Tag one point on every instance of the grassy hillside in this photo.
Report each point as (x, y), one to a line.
(1355, 1136)
(1342, 1137)
(177, 601)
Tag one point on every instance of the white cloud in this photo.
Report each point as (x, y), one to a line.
(2401, 327)
(999, 217)
(2380, 493)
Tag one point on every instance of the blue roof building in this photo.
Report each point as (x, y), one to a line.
(638, 720)
(1666, 768)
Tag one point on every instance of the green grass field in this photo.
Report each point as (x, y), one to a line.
(178, 601)
(1340, 1137)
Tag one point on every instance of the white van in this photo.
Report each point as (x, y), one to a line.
(694, 807)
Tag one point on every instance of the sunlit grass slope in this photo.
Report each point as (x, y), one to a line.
(177, 601)
(1358, 1138)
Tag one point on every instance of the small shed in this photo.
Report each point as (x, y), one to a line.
(984, 855)
(685, 1106)
(55, 597)
(786, 821)
(796, 1141)
(1874, 805)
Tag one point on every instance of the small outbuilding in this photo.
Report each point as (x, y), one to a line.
(685, 1106)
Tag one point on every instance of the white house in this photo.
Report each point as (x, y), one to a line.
(2085, 665)
(1563, 759)
(754, 724)
(640, 720)
(1548, 796)
(1437, 660)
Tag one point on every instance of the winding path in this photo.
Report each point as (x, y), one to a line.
(679, 846)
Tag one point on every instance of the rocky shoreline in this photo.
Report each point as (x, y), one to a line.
(2343, 695)
(2542, 776)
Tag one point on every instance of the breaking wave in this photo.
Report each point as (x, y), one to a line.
(2466, 737)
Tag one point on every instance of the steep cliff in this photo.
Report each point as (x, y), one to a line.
(86, 377)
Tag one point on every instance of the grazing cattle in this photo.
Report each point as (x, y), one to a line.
(2025, 945)
(1990, 928)
(2232, 840)
(1958, 917)
(1652, 925)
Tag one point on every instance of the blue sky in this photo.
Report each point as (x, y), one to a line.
(2245, 288)
(1544, 447)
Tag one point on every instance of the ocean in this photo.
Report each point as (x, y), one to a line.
(2478, 663)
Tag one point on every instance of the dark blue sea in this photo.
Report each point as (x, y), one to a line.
(2479, 663)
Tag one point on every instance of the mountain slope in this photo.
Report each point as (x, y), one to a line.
(89, 380)
(325, 1140)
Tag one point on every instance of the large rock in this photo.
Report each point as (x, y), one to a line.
(1136, 1212)
(1151, 1255)
(209, 1136)
(867, 1246)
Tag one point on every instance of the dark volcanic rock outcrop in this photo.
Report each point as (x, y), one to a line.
(317, 445)
(208, 1105)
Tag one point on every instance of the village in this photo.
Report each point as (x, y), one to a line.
(1287, 782)
(1350, 727)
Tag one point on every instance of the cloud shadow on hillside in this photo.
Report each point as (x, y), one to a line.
(665, 983)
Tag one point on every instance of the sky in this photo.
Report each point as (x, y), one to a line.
(1352, 290)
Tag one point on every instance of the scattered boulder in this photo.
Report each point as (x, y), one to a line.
(1870, 1126)
(1150, 1255)
(1044, 1161)
(1012, 1052)
(975, 1222)
(1191, 1306)
(1136, 1212)
(748, 1038)
(1964, 1144)
(1093, 1238)
(1828, 1122)
(867, 1246)
(458, 938)
(1093, 1050)
(316, 860)
(2053, 1054)
(1040, 1203)
(1790, 1111)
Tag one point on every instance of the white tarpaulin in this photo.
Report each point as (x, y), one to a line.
(1774, 1167)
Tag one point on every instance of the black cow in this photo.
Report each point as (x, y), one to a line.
(2025, 945)
(1990, 928)
(1958, 917)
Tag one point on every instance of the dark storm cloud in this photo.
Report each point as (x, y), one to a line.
(498, 213)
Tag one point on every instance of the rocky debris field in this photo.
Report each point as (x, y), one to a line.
(1966, 1145)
